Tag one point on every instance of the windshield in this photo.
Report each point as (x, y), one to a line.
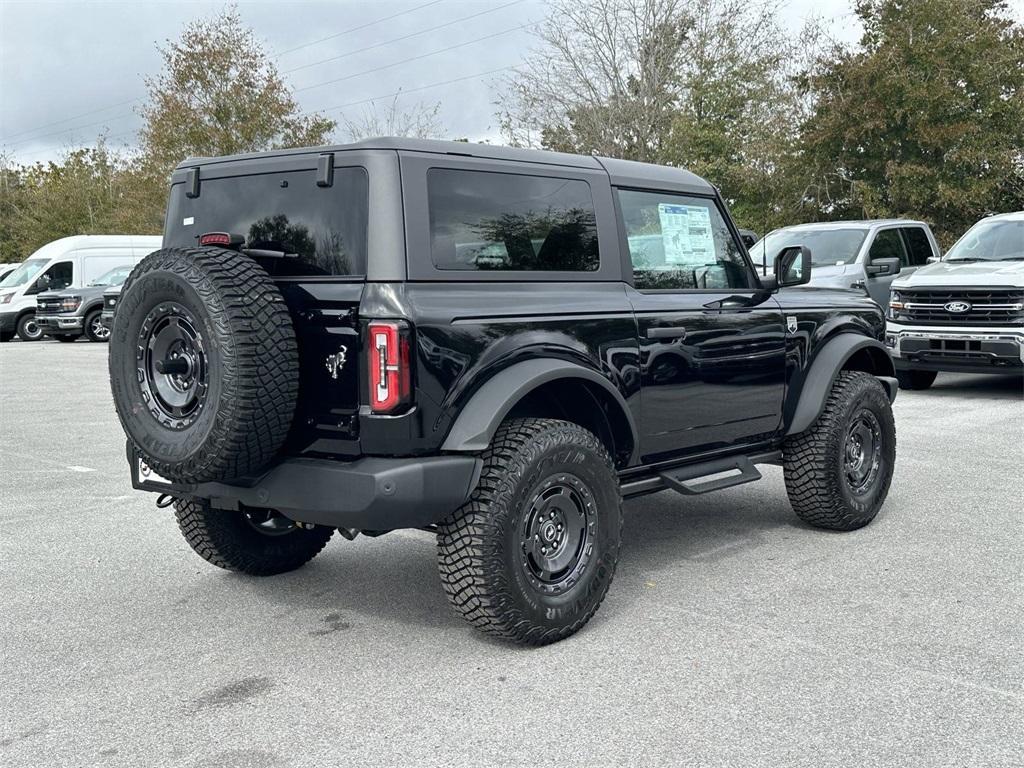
(24, 273)
(828, 246)
(116, 276)
(998, 240)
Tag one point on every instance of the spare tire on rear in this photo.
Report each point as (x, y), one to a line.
(203, 362)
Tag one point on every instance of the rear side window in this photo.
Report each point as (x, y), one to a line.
(918, 245)
(481, 220)
(319, 231)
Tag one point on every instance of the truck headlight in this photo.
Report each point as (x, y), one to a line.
(70, 303)
(895, 305)
(6, 298)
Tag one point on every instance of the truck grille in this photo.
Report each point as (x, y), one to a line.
(988, 306)
(48, 306)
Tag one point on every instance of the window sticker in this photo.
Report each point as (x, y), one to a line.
(188, 221)
(686, 234)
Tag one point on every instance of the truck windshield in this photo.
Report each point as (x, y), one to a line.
(828, 246)
(116, 276)
(999, 240)
(24, 273)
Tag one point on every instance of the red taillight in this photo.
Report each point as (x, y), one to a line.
(389, 363)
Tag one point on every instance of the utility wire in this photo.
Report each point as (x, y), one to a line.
(411, 58)
(355, 29)
(403, 37)
(141, 98)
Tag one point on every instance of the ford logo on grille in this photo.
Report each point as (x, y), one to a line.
(957, 307)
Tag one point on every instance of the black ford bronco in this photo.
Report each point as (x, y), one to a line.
(494, 345)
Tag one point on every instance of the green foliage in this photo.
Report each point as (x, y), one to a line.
(925, 118)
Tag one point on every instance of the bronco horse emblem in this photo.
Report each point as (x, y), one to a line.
(336, 362)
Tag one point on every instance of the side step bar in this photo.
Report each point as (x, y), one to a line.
(736, 470)
(699, 477)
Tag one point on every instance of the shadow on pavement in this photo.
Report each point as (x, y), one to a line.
(988, 386)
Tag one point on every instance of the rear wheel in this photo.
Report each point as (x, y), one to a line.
(838, 472)
(530, 557)
(29, 329)
(910, 379)
(95, 330)
(259, 542)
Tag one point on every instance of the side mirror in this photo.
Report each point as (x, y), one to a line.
(933, 260)
(793, 266)
(882, 267)
(748, 240)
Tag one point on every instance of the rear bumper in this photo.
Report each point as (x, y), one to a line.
(969, 350)
(368, 494)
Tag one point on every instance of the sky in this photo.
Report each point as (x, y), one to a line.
(72, 70)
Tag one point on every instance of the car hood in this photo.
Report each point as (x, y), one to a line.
(86, 292)
(827, 271)
(115, 291)
(982, 273)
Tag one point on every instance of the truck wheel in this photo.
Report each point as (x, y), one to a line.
(95, 330)
(838, 472)
(28, 328)
(531, 555)
(204, 366)
(257, 542)
(915, 379)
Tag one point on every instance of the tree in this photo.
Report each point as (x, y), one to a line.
(82, 194)
(707, 85)
(419, 122)
(218, 94)
(604, 80)
(924, 118)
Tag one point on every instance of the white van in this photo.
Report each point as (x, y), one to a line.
(71, 262)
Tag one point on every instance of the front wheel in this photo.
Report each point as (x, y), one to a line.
(531, 555)
(911, 379)
(29, 329)
(259, 542)
(95, 330)
(838, 472)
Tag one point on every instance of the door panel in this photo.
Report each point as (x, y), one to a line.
(888, 243)
(710, 378)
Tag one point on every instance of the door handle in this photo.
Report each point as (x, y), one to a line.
(669, 332)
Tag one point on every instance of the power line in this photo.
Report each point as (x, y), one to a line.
(69, 119)
(63, 131)
(411, 58)
(402, 91)
(141, 98)
(403, 37)
(356, 29)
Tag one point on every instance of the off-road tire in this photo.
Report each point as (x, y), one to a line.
(814, 461)
(227, 539)
(88, 327)
(250, 357)
(480, 552)
(28, 328)
(911, 379)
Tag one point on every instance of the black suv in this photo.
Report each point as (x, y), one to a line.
(495, 345)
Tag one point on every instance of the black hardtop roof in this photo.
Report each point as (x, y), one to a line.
(625, 173)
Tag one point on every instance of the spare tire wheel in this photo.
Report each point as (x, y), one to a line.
(204, 366)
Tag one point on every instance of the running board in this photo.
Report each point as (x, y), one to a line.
(737, 470)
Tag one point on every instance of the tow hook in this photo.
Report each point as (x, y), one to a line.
(164, 500)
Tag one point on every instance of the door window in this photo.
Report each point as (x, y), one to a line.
(919, 246)
(678, 242)
(511, 222)
(59, 275)
(888, 245)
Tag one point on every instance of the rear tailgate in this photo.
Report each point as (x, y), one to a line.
(309, 231)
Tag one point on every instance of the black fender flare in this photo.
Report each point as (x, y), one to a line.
(487, 408)
(830, 360)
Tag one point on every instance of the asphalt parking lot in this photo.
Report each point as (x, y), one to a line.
(733, 635)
